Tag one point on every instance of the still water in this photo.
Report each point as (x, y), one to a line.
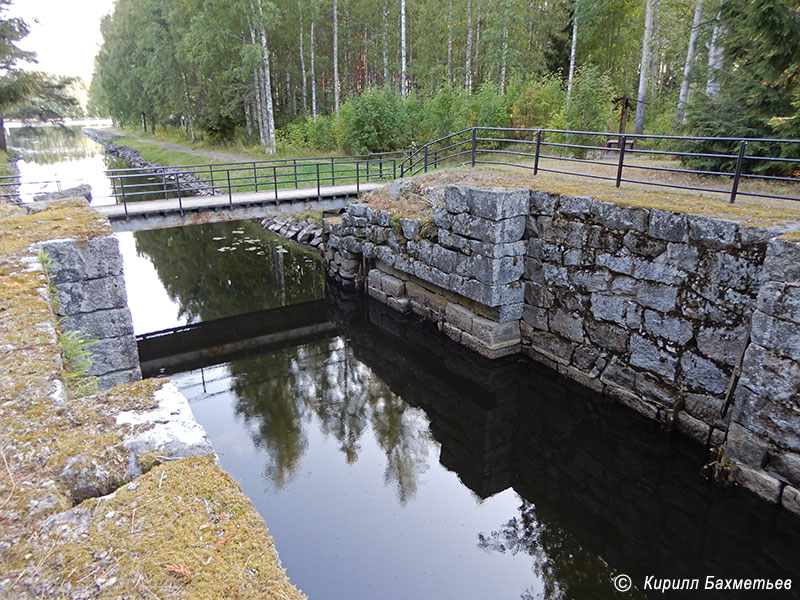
(390, 463)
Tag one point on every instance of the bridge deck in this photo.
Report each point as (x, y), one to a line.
(195, 203)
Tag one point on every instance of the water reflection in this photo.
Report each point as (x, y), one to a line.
(389, 462)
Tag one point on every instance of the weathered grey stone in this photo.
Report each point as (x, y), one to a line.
(656, 296)
(72, 260)
(646, 355)
(410, 228)
(600, 238)
(426, 273)
(459, 316)
(669, 226)
(399, 187)
(83, 190)
(575, 206)
(509, 312)
(497, 203)
(571, 234)
(490, 295)
(682, 256)
(651, 388)
(762, 485)
(543, 203)
(609, 308)
(384, 218)
(544, 251)
(674, 329)
(614, 216)
(785, 466)
(507, 230)
(441, 217)
(491, 351)
(782, 262)
(607, 336)
(359, 210)
(701, 373)
(385, 255)
(443, 259)
(617, 373)
(693, 428)
(555, 276)
(632, 401)
(95, 294)
(455, 198)
(712, 232)
(367, 249)
(591, 281)
(498, 250)
(538, 295)
(393, 286)
(536, 317)
(737, 272)
(706, 408)
(109, 380)
(110, 323)
(454, 242)
(658, 272)
(618, 264)
(492, 271)
(643, 245)
(377, 294)
(552, 346)
(783, 337)
(495, 334)
(113, 354)
(790, 500)
(723, 344)
(781, 300)
(585, 357)
(402, 305)
(567, 324)
(85, 477)
(353, 244)
(623, 285)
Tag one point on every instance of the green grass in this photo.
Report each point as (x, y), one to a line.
(7, 166)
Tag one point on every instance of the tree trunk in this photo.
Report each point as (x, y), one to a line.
(683, 98)
(450, 43)
(641, 97)
(476, 47)
(303, 62)
(3, 140)
(403, 81)
(144, 122)
(269, 116)
(468, 59)
(152, 125)
(503, 61)
(572, 51)
(386, 43)
(335, 59)
(715, 59)
(313, 77)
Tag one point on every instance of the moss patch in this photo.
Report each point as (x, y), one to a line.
(183, 530)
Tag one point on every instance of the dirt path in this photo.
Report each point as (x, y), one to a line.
(208, 153)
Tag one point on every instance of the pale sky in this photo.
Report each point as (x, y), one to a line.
(67, 35)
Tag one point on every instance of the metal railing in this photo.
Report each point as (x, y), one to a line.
(546, 149)
(134, 184)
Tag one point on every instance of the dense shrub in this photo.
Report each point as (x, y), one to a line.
(374, 121)
(538, 102)
(320, 134)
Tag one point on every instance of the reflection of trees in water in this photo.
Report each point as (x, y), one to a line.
(564, 567)
(236, 273)
(280, 393)
(49, 145)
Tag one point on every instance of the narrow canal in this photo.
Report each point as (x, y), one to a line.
(390, 463)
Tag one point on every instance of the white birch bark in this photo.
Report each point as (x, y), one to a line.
(683, 98)
(450, 43)
(572, 51)
(313, 76)
(386, 43)
(468, 59)
(504, 57)
(269, 115)
(403, 80)
(715, 60)
(335, 58)
(641, 97)
(303, 61)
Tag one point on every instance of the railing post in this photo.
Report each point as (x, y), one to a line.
(124, 201)
(473, 147)
(426, 158)
(538, 146)
(178, 183)
(294, 160)
(230, 195)
(275, 181)
(435, 158)
(622, 145)
(318, 194)
(738, 173)
(394, 168)
(255, 176)
(333, 173)
(358, 182)
(211, 173)
(367, 179)
(113, 189)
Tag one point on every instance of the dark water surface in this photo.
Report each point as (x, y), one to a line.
(390, 463)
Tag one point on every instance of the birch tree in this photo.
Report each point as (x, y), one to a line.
(450, 43)
(683, 98)
(403, 80)
(335, 59)
(573, 50)
(715, 59)
(385, 42)
(468, 58)
(302, 60)
(641, 97)
(313, 74)
(267, 109)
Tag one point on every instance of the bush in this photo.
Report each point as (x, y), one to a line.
(444, 113)
(590, 109)
(374, 121)
(538, 102)
(320, 134)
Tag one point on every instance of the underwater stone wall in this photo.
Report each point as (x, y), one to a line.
(647, 306)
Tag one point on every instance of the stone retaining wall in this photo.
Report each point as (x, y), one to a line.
(91, 299)
(648, 306)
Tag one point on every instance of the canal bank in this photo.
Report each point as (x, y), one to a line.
(686, 318)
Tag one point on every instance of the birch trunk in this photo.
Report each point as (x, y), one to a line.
(715, 60)
(335, 58)
(503, 61)
(248, 119)
(269, 116)
(385, 43)
(641, 97)
(403, 81)
(468, 59)
(303, 61)
(450, 43)
(572, 51)
(313, 77)
(476, 46)
(683, 98)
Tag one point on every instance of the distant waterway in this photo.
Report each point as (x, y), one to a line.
(391, 463)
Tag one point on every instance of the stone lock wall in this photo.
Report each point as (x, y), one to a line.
(91, 299)
(648, 306)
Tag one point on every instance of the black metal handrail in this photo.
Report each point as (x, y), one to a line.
(556, 145)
